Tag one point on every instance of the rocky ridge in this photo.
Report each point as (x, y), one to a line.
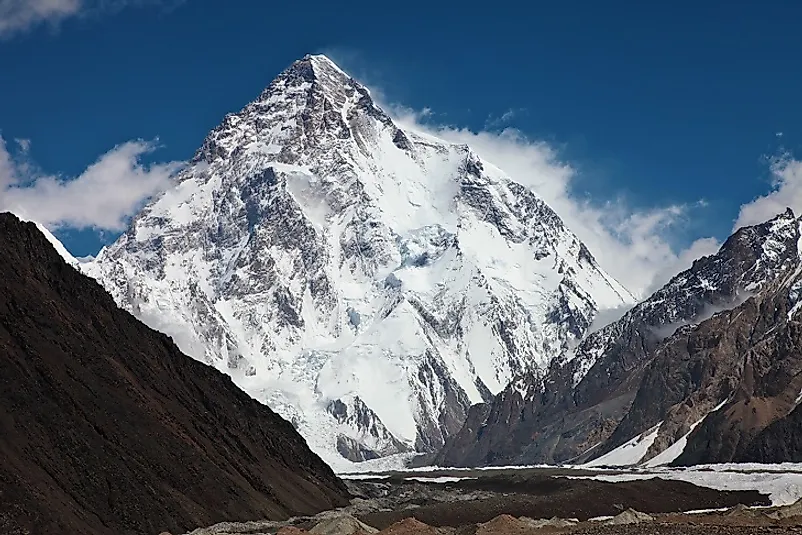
(677, 362)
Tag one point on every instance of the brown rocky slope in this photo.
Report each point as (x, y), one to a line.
(106, 428)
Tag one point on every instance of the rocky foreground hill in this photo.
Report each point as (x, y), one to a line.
(106, 428)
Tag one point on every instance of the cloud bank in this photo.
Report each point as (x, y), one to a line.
(104, 196)
(633, 245)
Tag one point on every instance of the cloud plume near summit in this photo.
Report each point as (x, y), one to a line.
(633, 245)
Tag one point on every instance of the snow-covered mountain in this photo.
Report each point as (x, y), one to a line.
(721, 339)
(368, 282)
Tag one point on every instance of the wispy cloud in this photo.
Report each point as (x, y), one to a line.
(495, 122)
(104, 196)
(20, 16)
(635, 245)
(17, 16)
(786, 192)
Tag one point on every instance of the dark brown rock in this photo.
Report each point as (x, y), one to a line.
(106, 428)
(762, 368)
(780, 440)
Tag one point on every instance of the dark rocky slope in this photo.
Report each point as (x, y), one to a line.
(782, 439)
(106, 428)
(761, 375)
(736, 373)
(667, 360)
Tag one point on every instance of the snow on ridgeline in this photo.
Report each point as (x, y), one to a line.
(57, 245)
(367, 282)
(668, 455)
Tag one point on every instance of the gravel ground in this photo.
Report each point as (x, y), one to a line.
(535, 503)
(475, 501)
(684, 529)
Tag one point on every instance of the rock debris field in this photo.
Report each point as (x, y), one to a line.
(534, 502)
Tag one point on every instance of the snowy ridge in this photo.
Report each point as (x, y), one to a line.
(762, 258)
(367, 282)
(58, 246)
(686, 298)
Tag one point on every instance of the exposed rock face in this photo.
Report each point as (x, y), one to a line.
(663, 363)
(759, 372)
(106, 428)
(367, 282)
(782, 440)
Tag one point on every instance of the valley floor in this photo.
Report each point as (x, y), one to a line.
(558, 500)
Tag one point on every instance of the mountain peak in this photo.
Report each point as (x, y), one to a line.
(310, 71)
(316, 235)
(310, 98)
(313, 67)
(322, 63)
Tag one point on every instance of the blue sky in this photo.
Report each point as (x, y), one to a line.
(653, 105)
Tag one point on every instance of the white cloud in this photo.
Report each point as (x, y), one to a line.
(8, 169)
(786, 192)
(633, 245)
(19, 16)
(104, 196)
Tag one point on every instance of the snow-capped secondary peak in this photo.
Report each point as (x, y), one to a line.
(368, 282)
